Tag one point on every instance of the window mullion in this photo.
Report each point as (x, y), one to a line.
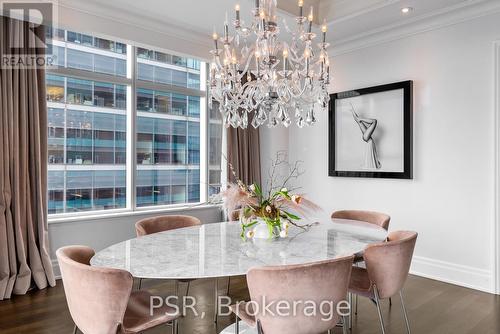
(204, 139)
(131, 127)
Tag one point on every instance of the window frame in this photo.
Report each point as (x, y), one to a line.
(132, 83)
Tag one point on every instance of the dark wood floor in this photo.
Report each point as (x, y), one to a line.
(433, 307)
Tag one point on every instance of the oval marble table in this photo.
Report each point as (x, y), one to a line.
(216, 250)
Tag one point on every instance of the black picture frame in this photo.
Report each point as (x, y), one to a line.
(407, 173)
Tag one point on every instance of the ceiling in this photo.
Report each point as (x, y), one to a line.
(346, 19)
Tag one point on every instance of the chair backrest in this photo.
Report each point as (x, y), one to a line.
(388, 263)
(319, 282)
(97, 297)
(376, 218)
(164, 223)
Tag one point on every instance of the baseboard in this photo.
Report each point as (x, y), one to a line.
(465, 276)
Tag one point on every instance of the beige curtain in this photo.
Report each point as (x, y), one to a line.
(24, 248)
(243, 152)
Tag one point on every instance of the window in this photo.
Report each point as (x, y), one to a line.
(89, 111)
(88, 53)
(155, 66)
(80, 60)
(215, 129)
(55, 88)
(56, 120)
(194, 80)
(168, 133)
(79, 91)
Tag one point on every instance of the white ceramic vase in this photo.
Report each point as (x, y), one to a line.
(261, 230)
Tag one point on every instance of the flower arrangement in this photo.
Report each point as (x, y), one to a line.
(277, 209)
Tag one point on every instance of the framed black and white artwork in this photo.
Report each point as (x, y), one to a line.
(370, 132)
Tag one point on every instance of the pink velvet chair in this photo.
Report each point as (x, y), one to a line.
(101, 301)
(376, 218)
(387, 267)
(158, 224)
(164, 223)
(372, 217)
(316, 282)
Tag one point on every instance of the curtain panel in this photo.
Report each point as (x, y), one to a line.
(24, 246)
(243, 153)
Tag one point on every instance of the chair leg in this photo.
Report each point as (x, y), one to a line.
(390, 301)
(350, 310)
(259, 327)
(75, 330)
(187, 289)
(228, 285)
(216, 304)
(356, 297)
(176, 293)
(237, 325)
(140, 284)
(377, 300)
(404, 312)
(175, 326)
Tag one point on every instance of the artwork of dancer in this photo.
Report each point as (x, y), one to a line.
(368, 126)
(384, 148)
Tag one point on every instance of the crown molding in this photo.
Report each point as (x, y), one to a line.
(334, 21)
(448, 16)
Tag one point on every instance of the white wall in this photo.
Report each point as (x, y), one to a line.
(272, 141)
(450, 201)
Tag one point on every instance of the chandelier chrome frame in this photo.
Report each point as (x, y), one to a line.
(255, 78)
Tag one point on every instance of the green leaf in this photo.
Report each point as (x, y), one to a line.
(258, 191)
(283, 194)
(246, 211)
(292, 216)
(270, 227)
(251, 224)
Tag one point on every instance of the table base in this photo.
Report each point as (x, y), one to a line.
(244, 329)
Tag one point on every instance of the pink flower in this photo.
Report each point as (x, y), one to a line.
(297, 199)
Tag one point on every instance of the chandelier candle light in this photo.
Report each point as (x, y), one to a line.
(256, 78)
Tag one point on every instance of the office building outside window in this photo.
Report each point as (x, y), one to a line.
(89, 109)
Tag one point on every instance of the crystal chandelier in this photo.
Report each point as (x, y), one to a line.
(256, 78)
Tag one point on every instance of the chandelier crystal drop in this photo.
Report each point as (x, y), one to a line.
(257, 79)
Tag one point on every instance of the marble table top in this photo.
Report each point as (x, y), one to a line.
(216, 250)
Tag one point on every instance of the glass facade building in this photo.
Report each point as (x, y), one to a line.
(87, 126)
(168, 130)
(86, 145)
